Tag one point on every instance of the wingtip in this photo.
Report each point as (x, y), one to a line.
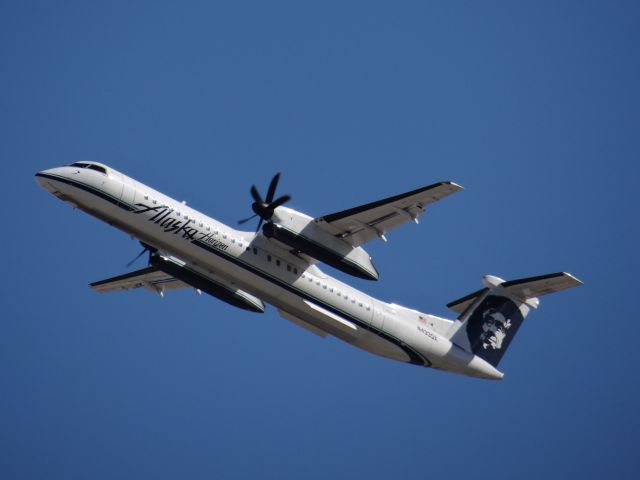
(575, 279)
(452, 184)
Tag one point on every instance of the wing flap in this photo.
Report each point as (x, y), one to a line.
(460, 305)
(360, 224)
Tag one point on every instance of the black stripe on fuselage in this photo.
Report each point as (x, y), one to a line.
(88, 188)
(414, 357)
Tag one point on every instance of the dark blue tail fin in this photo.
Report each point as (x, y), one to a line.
(490, 318)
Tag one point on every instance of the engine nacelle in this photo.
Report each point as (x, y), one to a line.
(299, 231)
(218, 287)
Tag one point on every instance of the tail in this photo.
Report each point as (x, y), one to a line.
(490, 318)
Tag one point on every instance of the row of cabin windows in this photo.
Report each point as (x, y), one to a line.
(318, 283)
(345, 296)
(278, 261)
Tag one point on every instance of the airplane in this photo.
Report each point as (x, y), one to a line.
(277, 264)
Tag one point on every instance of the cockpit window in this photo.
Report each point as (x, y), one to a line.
(97, 168)
(90, 166)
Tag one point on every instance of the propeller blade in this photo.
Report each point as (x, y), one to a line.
(245, 220)
(138, 256)
(280, 201)
(265, 208)
(272, 187)
(255, 194)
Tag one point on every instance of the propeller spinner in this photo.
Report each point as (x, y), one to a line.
(265, 208)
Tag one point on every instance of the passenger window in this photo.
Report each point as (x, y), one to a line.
(278, 262)
(268, 258)
(255, 251)
(295, 271)
(288, 268)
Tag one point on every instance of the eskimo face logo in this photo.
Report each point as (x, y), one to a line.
(494, 329)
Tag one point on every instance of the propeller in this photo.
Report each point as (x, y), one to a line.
(265, 208)
(147, 248)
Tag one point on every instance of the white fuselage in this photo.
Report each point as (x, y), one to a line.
(263, 268)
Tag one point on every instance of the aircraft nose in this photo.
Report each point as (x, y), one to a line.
(45, 177)
(41, 177)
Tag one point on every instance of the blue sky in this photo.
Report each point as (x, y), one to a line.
(533, 108)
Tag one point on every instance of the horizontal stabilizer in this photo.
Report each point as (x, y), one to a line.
(490, 318)
(542, 285)
(524, 288)
(463, 303)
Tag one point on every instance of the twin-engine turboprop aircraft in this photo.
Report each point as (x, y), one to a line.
(277, 265)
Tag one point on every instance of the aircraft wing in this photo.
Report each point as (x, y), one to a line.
(360, 224)
(150, 278)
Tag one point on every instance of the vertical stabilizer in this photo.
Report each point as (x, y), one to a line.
(490, 318)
